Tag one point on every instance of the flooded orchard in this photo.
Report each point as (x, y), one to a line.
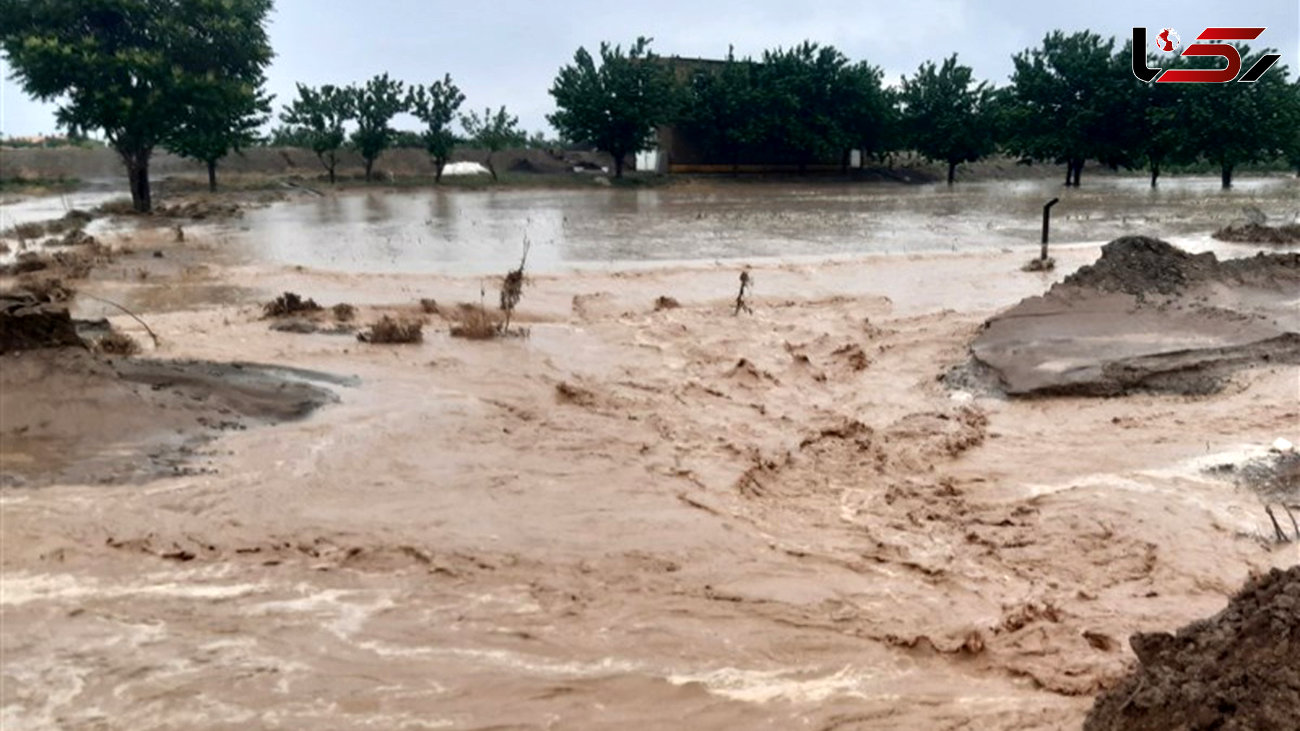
(646, 512)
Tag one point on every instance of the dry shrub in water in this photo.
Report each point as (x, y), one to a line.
(1039, 265)
(117, 343)
(666, 303)
(474, 323)
(289, 303)
(390, 330)
(344, 312)
(428, 306)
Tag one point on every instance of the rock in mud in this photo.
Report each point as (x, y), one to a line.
(1146, 316)
(1236, 670)
(29, 321)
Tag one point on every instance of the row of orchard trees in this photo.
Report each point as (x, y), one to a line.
(138, 71)
(1074, 98)
(318, 119)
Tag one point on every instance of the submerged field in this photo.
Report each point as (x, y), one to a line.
(639, 514)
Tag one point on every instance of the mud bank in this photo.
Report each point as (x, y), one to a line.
(1235, 670)
(1147, 316)
(70, 416)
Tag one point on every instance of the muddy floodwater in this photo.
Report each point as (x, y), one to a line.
(478, 232)
(648, 512)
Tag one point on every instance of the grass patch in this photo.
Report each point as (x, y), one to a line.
(344, 312)
(391, 330)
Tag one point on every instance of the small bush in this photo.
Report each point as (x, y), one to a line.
(390, 330)
(289, 303)
(428, 306)
(666, 303)
(1039, 265)
(117, 343)
(474, 323)
(344, 312)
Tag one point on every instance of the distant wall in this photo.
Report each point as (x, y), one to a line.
(98, 164)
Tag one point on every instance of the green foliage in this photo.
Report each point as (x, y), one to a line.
(946, 115)
(317, 118)
(227, 118)
(614, 107)
(135, 69)
(1232, 124)
(492, 132)
(1067, 101)
(375, 105)
(436, 106)
(723, 111)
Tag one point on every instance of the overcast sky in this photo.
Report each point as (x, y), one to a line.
(508, 51)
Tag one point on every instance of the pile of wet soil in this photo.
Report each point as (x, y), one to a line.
(69, 416)
(1236, 670)
(31, 320)
(1143, 266)
(1259, 233)
(1146, 316)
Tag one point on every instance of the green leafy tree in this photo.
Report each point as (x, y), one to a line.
(1293, 146)
(1232, 124)
(946, 114)
(722, 111)
(317, 117)
(436, 106)
(135, 69)
(375, 105)
(616, 106)
(492, 132)
(226, 119)
(1068, 100)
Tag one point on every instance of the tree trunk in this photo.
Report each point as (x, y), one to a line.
(1226, 175)
(137, 172)
(370, 164)
(1155, 173)
(618, 166)
(212, 176)
(952, 172)
(1069, 173)
(1077, 164)
(438, 165)
(491, 168)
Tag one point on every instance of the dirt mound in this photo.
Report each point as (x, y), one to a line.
(29, 321)
(1236, 670)
(1140, 266)
(1258, 233)
(1146, 316)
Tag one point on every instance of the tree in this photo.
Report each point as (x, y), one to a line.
(617, 106)
(226, 119)
(1293, 146)
(318, 116)
(721, 110)
(492, 132)
(1235, 123)
(946, 114)
(375, 105)
(134, 69)
(1067, 101)
(436, 106)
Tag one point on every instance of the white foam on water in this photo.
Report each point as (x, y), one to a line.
(23, 588)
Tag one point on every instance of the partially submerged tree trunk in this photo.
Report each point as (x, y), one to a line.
(1225, 174)
(212, 176)
(618, 165)
(137, 172)
(438, 164)
(328, 162)
(1155, 173)
(952, 172)
(491, 168)
(370, 164)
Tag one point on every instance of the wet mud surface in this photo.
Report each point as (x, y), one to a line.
(1147, 316)
(72, 416)
(1235, 670)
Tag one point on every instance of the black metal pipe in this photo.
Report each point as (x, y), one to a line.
(1047, 222)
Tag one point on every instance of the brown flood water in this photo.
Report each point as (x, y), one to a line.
(637, 518)
(483, 232)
